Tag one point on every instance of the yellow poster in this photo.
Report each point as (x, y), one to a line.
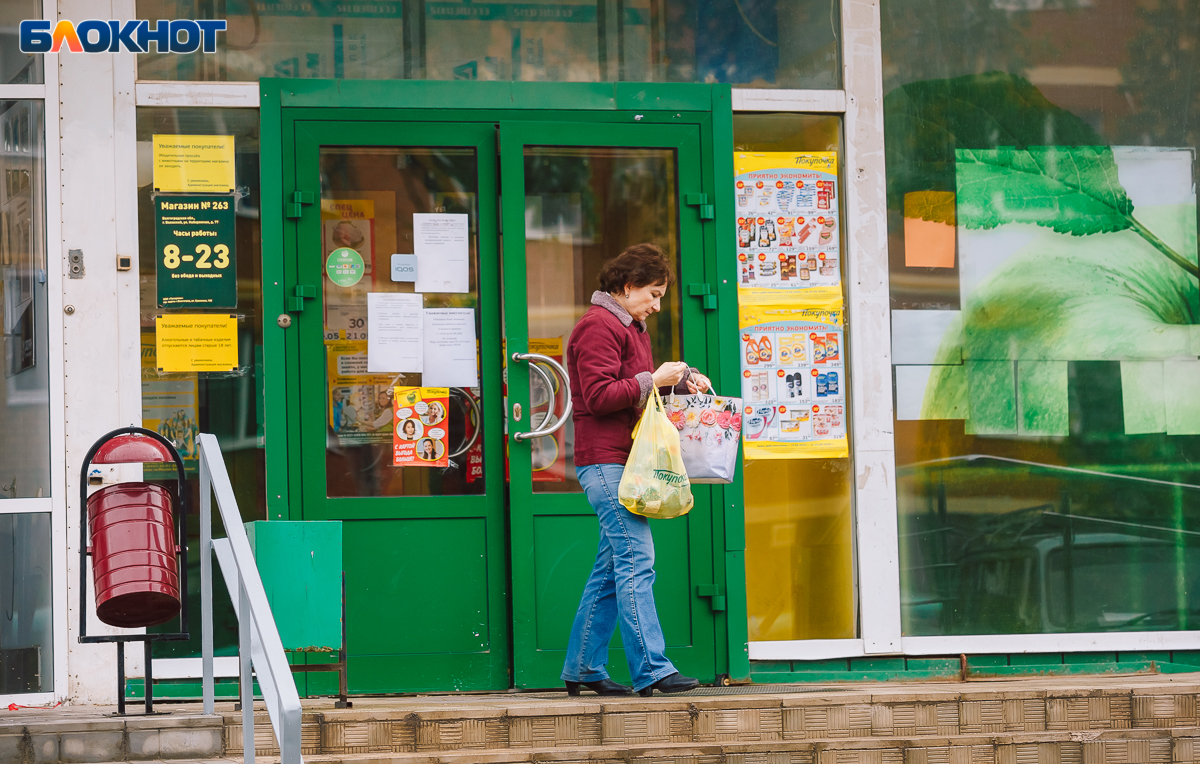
(794, 379)
(194, 164)
(196, 342)
(788, 224)
(169, 405)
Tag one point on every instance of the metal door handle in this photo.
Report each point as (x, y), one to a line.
(566, 386)
(472, 412)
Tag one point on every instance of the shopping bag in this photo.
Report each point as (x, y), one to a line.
(655, 483)
(710, 429)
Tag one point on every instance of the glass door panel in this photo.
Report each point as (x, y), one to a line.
(583, 205)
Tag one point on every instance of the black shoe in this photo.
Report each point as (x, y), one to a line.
(674, 683)
(600, 687)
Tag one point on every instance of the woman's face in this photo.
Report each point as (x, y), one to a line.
(642, 301)
(383, 400)
(410, 428)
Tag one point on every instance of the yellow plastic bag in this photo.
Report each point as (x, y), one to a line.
(655, 483)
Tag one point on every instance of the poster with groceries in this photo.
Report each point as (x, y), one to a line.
(788, 227)
(793, 380)
(421, 431)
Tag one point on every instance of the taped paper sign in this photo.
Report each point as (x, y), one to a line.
(793, 380)
(194, 164)
(421, 427)
(196, 342)
(788, 227)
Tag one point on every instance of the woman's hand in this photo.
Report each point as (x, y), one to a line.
(669, 374)
(698, 383)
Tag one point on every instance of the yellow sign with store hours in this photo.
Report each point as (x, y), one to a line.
(194, 237)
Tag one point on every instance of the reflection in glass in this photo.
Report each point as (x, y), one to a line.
(368, 199)
(25, 395)
(1042, 219)
(26, 609)
(758, 43)
(17, 67)
(799, 513)
(583, 206)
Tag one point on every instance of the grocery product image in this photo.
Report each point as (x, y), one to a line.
(831, 347)
(818, 342)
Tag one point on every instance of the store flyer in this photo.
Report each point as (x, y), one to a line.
(360, 403)
(788, 227)
(793, 380)
(421, 431)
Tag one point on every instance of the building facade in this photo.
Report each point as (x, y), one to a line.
(944, 252)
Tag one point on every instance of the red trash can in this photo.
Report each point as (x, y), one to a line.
(134, 563)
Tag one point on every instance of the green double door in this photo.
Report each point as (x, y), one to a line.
(467, 537)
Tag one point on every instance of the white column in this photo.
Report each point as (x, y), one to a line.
(869, 331)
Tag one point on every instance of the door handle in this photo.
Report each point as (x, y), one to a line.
(713, 592)
(539, 432)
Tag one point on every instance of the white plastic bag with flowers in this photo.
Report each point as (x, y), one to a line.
(710, 429)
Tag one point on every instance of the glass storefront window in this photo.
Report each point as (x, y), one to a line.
(25, 396)
(17, 67)
(799, 512)
(26, 613)
(756, 43)
(1041, 166)
(227, 404)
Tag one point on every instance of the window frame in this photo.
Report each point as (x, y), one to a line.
(56, 504)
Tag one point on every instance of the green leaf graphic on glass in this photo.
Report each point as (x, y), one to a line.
(344, 266)
(1070, 189)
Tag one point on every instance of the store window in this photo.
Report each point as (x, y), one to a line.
(1041, 170)
(756, 43)
(17, 67)
(227, 403)
(799, 515)
(26, 612)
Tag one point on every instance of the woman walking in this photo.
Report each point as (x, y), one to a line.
(612, 374)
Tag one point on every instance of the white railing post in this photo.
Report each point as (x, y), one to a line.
(245, 646)
(208, 682)
(260, 650)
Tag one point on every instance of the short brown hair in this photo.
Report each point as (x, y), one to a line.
(640, 265)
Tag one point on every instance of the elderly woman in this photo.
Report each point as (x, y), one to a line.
(612, 374)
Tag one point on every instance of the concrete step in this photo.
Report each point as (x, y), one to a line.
(90, 735)
(494, 724)
(1128, 746)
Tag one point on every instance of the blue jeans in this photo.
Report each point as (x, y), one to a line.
(620, 590)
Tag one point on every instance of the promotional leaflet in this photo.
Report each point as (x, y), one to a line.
(788, 227)
(360, 403)
(169, 407)
(421, 431)
(793, 380)
(350, 224)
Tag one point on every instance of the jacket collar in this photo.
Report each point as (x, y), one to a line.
(609, 303)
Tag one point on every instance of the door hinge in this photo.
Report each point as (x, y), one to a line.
(295, 207)
(713, 592)
(708, 300)
(302, 292)
(700, 201)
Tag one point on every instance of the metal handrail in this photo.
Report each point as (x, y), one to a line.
(260, 650)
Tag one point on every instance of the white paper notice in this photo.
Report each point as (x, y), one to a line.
(440, 241)
(450, 353)
(394, 332)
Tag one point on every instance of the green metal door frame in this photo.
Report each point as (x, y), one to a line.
(285, 103)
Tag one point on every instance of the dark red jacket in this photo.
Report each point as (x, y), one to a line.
(604, 358)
